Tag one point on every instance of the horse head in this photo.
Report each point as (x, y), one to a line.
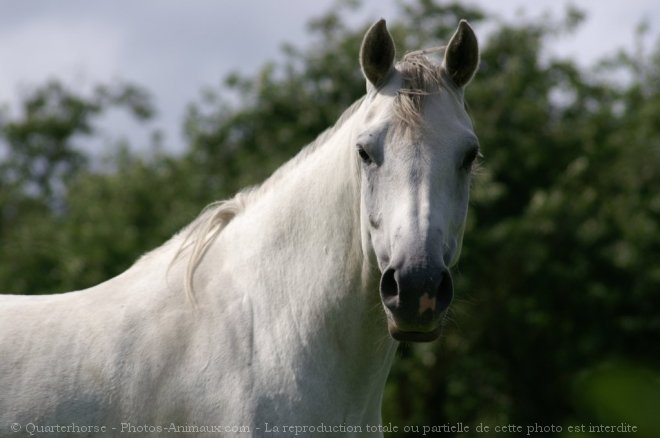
(416, 148)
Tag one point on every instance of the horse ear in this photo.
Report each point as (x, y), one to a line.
(377, 53)
(462, 55)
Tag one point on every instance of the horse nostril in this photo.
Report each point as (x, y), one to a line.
(389, 289)
(445, 291)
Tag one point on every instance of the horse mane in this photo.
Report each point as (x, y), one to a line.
(421, 77)
(204, 230)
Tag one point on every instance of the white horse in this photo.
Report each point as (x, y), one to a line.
(278, 311)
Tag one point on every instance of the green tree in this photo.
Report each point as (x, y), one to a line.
(41, 158)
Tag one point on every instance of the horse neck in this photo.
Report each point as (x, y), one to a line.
(298, 250)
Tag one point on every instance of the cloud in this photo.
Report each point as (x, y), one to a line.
(80, 52)
(176, 48)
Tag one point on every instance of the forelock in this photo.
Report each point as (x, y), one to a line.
(421, 78)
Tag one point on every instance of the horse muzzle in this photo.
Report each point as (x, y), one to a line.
(416, 299)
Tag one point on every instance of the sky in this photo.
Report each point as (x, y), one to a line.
(176, 48)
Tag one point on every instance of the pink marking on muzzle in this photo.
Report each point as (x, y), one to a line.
(426, 303)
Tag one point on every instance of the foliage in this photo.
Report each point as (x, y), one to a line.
(39, 176)
(619, 393)
(560, 268)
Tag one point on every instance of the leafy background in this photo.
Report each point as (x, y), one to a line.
(557, 318)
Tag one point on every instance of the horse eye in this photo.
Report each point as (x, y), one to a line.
(364, 156)
(469, 158)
